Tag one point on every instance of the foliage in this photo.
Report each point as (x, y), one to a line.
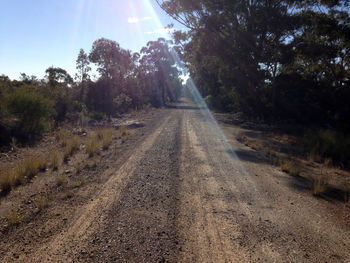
(31, 113)
(272, 60)
(126, 81)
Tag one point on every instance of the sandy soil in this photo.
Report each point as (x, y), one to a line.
(184, 191)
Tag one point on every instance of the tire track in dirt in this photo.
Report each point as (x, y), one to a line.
(140, 226)
(65, 246)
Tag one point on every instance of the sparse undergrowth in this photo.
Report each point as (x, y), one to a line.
(27, 169)
(61, 180)
(291, 167)
(41, 201)
(55, 160)
(105, 135)
(319, 185)
(72, 146)
(14, 217)
(92, 146)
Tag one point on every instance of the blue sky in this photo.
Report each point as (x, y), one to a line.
(37, 34)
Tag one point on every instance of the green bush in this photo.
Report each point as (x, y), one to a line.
(122, 103)
(31, 113)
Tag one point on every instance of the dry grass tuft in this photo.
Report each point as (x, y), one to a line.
(319, 185)
(106, 136)
(42, 164)
(41, 201)
(92, 147)
(7, 180)
(76, 183)
(61, 180)
(123, 130)
(55, 160)
(72, 146)
(78, 167)
(290, 167)
(14, 217)
(61, 134)
(30, 166)
(242, 138)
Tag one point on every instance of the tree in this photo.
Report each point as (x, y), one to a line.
(59, 90)
(252, 56)
(82, 65)
(114, 64)
(157, 60)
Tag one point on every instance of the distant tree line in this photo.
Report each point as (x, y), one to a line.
(272, 60)
(30, 106)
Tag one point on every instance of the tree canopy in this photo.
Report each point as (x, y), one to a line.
(269, 59)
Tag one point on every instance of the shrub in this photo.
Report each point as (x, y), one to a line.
(31, 112)
(122, 103)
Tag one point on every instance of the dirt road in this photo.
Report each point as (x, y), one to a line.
(188, 193)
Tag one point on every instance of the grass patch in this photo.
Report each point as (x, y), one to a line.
(125, 138)
(105, 135)
(61, 180)
(14, 217)
(242, 138)
(77, 183)
(319, 185)
(41, 202)
(72, 146)
(290, 167)
(78, 167)
(329, 144)
(92, 147)
(61, 134)
(55, 160)
(42, 164)
(30, 166)
(8, 179)
(123, 130)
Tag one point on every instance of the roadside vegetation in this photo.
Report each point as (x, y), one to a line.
(284, 63)
(323, 175)
(30, 107)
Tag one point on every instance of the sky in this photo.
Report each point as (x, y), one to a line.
(37, 34)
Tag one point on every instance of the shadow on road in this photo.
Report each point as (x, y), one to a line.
(184, 107)
(248, 156)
